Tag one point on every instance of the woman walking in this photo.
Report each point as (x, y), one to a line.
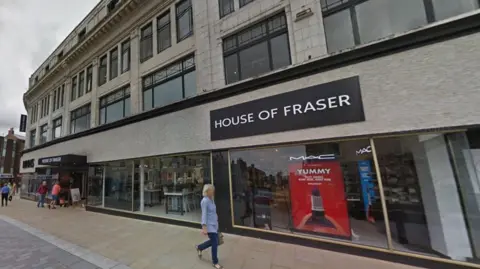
(209, 224)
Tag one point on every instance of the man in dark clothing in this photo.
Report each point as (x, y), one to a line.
(5, 191)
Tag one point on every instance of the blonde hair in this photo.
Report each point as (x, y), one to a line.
(207, 187)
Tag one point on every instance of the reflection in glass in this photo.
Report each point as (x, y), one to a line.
(118, 185)
(254, 60)
(168, 92)
(427, 183)
(445, 9)
(190, 84)
(95, 185)
(327, 190)
(173, 185)
(339, 31)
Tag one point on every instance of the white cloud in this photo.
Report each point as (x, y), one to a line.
(29, 32)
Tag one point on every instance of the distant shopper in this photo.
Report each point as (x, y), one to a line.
(209, 224)
(5, 191)
(42, 193)
(55, 193)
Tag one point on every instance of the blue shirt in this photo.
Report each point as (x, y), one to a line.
(209, 215)
(5, 189)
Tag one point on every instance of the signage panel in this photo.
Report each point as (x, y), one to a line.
(336, 102)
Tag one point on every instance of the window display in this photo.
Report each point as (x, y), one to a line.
(118, 185)
(327, 190)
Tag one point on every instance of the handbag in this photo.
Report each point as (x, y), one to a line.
(10, 198)
(220, 239)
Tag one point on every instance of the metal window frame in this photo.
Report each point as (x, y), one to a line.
(56, 125)
(221, 9)
(267, 38)
(73, 118)
(44, 130)
(101, 68)
(74, 93)
(164, 27)
(180, 15)
(113, 57)
(89, 79)
(145, 38)
(81, 84)
(125, 49)
(106, 105)
(243, 3)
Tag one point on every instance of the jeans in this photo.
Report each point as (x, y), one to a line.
(41, 201)
(213, 243)
(5, 198)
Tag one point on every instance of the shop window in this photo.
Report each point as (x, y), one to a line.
(80, 119)
(95, 185)
(102, 71)
(33, 137)
(43, 134)
(257, 50)
(118, 185)
(171, 84)
(324, 190)
(184, 20)
(226, 7)
(164, 36)
(349, 23)
(115, 106)
(113, 63)
(57, 128)
(125, 56)
(146, 43)
(431, 190)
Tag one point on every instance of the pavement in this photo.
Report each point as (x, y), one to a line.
(74, 238)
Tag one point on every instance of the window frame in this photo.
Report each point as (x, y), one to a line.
(113, 72)
(184, 71)
(267, 38)
(145, 38)
(164, 27)
(179, 15)
(105, 104)
(89, 79)
(221, 9)
(243, 3)
(74, 93)
(55, 125)
(74, 117)
(81, 83)
(44, 130)
(125, 49)
(102, 67)
(33, 137)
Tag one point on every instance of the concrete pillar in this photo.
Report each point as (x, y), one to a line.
(154, 36)
(173, 23)
(66, 112)
(136, 96)
(50, 116)
(95, 101)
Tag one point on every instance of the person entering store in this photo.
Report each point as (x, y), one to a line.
(42, 193)
(209, 225)
(55, 193)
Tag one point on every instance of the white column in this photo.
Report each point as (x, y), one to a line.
(173, 23)
(50, 112)
(136, 97)
(154, 36)
(94, 100)
(142, 185)
(66, 105)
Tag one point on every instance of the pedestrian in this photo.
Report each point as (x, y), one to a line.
(209, 225)
(55, 192)
(42, 192)
(5, 191)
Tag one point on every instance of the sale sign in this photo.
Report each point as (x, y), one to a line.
(318, 198)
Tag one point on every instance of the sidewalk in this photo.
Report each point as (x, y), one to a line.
(147, 245)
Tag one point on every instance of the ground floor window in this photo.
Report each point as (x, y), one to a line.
(412, 193)
(165, 186)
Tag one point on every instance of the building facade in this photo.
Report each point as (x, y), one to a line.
(11, 147)
(347, 125)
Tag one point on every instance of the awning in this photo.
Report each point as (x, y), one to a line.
(64, 160)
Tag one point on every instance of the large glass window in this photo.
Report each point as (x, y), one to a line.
(95, 185)
(115, 106)
(184, 19)
(43, 134)
(125, 56)
(57, 128)
(80, 119)
(348, 23)
(226, 7)
(164, 36)
(259, 49)
(114, 63)
(171, 84)
(326, 190)
(146, 43)
(118, 185)
(102, 71)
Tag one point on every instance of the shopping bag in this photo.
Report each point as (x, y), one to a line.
(10, 198)
(220, 239)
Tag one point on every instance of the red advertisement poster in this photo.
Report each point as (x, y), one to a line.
(318, 198)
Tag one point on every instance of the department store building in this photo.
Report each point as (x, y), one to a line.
(350, 125)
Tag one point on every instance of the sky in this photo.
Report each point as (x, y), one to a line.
(29, 32)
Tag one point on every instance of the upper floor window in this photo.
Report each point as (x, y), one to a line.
(58, 96)
(226, 7)
(60, 55)
(115, 106)
(102, 71)
(73, 94)
(164, 37)
(81, 84)
(34, 113)
(146, 43)
(244, 2)
(43, 134)
(256, 50)
(82, 34)
(47, 68)
(170, 84)
(80, 119)
(125, 56)
(57, 128)
(184, 19)
(114, 63)
(89, 79)
(33, 138)
(349, 23)
(45, 106)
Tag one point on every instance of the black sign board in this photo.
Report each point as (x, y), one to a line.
(332, 103)
(28, 163)
(23, 123)
(68, 159)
